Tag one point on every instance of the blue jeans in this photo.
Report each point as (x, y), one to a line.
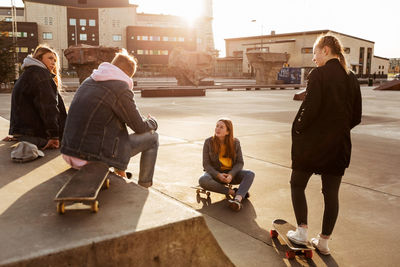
(244, 178)
(147, 144)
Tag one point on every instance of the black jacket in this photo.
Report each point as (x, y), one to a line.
(211, 163)
(37, 109)
(96, 127)
(321, 140)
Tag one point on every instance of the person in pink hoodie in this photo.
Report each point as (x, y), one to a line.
(98, 119)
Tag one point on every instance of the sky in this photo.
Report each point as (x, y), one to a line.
(376, 21)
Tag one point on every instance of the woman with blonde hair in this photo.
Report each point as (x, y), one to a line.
(321, 142)
(37, 109)
(223, 165)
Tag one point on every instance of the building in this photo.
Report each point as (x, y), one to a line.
(394, 65)
(115, 23)
(26, 38)
(358, 52)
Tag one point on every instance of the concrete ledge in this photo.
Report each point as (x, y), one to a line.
(172, 92)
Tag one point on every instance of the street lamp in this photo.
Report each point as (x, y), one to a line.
(261, 47)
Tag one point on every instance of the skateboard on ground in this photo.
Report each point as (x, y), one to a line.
(281, 227)
(83, 187)
(200, 190)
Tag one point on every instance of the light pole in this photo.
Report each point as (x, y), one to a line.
(262, 26)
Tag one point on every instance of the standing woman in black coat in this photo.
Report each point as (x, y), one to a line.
(37, 110)
(321, 142)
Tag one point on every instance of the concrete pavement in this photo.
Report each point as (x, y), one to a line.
(366, 232)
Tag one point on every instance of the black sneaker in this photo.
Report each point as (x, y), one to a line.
(235, 204)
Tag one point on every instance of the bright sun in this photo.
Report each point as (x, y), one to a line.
(188, 9)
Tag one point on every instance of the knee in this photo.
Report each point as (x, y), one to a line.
(154, 138)
(203, 180)
(250, 175)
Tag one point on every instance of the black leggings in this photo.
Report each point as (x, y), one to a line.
(330, 190)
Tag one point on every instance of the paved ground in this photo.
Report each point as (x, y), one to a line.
(366, 233)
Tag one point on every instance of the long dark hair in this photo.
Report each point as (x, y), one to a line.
(336, 48)
(229, 141)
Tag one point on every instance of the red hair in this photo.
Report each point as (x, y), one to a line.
(229, 141)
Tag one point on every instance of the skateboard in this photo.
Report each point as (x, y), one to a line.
(200, 190)
(83, 187)
(281, 227)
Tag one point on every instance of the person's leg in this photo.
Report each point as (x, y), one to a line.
(330, 190)
(147, 144)
(245, 179)
(298, 184)
(39, 142)
(207, 182)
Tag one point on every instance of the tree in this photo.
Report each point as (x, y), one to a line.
(7, 61)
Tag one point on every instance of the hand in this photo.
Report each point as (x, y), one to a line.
(9, 138)
(221, 177)
(228, 178)
(52, 143)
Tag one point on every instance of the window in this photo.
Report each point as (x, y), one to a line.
(46, 20)
(143, 38)
(92, 22)
(165, 38)
(164, 52)
(117, 37)
(115, 23)
(82, 22)
(72, 22)
(307, 50)
(347, 50)
(154, 38)
(8, 19)
(83, 37)
(172, 39)
(199, 40)
(24, 34)
(47, 36)
(50, 20)
(181, 39)
(140, 52)
(132, 37)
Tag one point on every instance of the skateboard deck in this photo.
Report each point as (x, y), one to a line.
(281, 227)
(83, 187)
(200, 190)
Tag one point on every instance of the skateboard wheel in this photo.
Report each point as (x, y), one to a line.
(106, 184)
(61, 207)
(273, 233)
(308, 254)
(198, 191)
(208, 200)
(95, 206)
(198, 198)
(290, 254)
(208, 194)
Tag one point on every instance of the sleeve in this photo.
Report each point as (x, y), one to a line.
(310, 107)
(357, 103)
(128, 113)
(45, 100)
(238, 166)
(207, 161)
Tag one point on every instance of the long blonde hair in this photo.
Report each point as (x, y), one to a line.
(335, 45)
(38, 54)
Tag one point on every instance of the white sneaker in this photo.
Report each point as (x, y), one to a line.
(299, 236)
(321, 244)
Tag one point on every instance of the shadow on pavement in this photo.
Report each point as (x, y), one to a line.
(11, 171)
(244, 220)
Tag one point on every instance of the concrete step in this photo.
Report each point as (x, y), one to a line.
(134, 226)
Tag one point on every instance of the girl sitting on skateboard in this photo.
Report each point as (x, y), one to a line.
(321, 141)
(223, 165)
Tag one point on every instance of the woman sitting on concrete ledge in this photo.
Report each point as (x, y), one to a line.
(223, 165)
(37, 109)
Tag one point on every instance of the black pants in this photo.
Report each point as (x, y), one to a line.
(330, 190)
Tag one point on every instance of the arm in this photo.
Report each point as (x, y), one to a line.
(239, 159)
(207, 161)
(357, 103)
(309, 109)
(127, 111)
(45, 101)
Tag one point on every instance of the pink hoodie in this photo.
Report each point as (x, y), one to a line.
(107, 71)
